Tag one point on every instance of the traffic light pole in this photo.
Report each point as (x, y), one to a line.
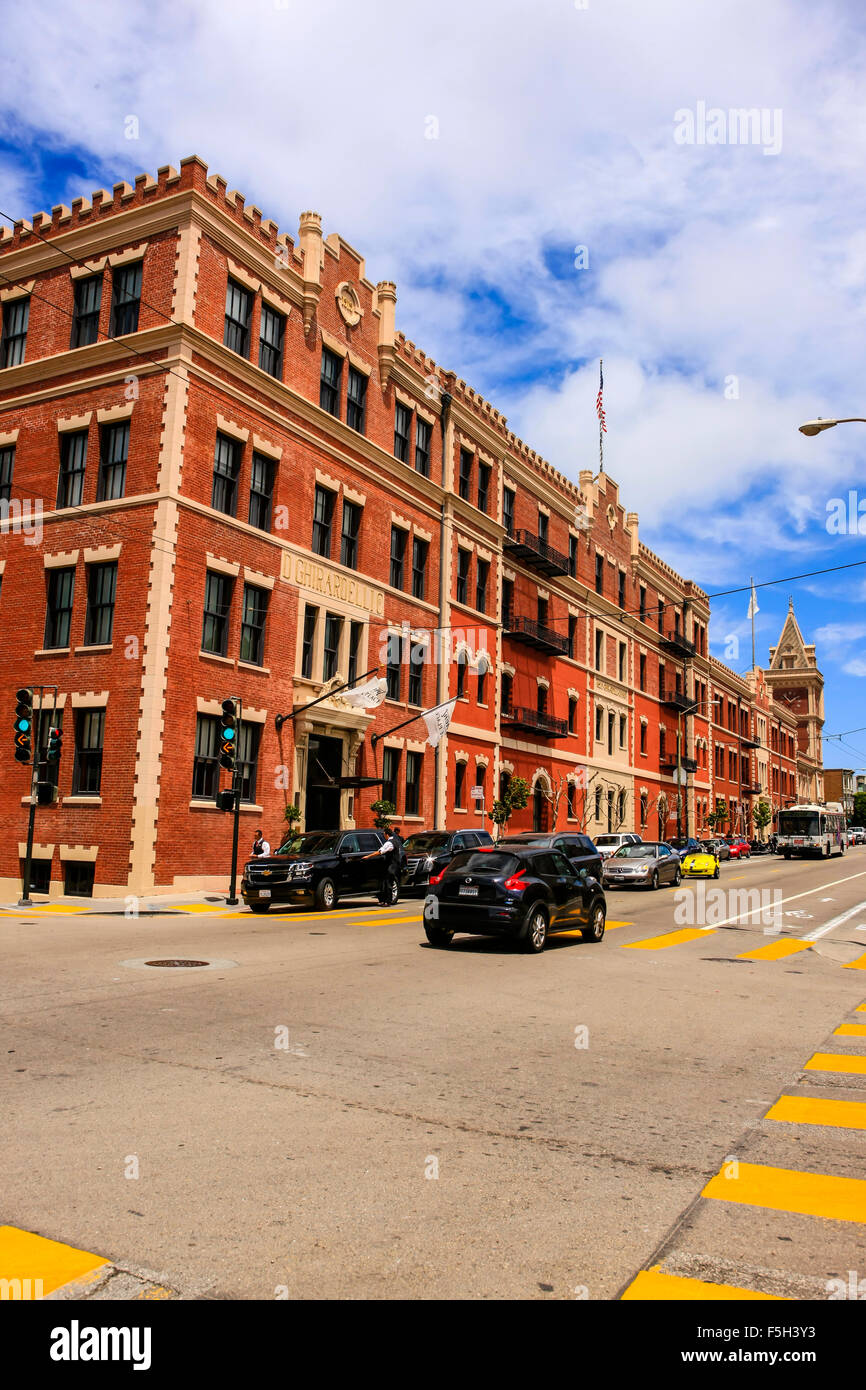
(232, 899)
(25, 899)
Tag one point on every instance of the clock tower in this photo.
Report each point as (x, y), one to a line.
(796, 683)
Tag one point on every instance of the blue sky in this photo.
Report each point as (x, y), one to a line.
(467, 151)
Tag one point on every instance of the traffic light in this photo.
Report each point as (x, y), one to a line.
(23, 725)
(225, 801)
(229, 735)
(55, 745)
(46, 794)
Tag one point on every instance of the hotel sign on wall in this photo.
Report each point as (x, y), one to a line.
(328, 582)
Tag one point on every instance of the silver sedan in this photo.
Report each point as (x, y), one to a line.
(646, 865)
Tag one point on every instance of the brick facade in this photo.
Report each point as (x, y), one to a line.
(573, 650)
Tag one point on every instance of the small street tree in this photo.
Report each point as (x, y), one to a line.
(859, 816)
(383, 811)
(762, 816)
(514, 798)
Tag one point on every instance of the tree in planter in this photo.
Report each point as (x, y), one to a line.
(761, 816)
(383, 811)
(859, 814)
(514, 798)
(291, 814)
(553, 792)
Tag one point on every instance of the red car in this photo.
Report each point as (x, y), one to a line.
(739, 848)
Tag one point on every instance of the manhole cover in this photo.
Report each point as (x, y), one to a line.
(183, 964)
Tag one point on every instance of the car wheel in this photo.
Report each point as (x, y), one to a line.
(786, 854)
(678, 874)
(439, 937)
(259, 907)
(595, 930)
(326, 895)
(534, 938)
(654, 881)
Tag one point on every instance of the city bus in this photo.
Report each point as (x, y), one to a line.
(811, 830)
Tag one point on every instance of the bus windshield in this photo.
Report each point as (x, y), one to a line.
(799, 823)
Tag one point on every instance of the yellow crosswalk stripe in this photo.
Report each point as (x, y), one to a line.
(805, 1110)
(784, 1189)
(858, 964)
(860, 1009)
(673, 938)
(776, 950)
(837, 1061)
(850, 1030)
(653, 1285)
(25, 1256)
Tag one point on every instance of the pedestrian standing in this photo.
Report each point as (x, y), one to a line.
(389, 852)
(260, 845)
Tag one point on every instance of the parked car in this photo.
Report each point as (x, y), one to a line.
(738, 847)
(319, 867)
(685, 844)
(759, 846)
(720, 848)
(646, 865)
(579, 848)
(609, 844)
(700, 863)
(518, 892)
(429, 851)
(857, 835)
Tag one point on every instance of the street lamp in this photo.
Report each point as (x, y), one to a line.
(816, 426)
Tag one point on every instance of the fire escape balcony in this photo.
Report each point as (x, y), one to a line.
(679, 700)
(532, 550)
(535, 634)
(678, 644)
(750, 742)
(669, 762)
(518, 717)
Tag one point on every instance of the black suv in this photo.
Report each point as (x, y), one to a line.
(516, 891)
(319, 867)
(429, 851)
(579, 848)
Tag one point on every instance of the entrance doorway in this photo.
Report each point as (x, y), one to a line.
(324, 763)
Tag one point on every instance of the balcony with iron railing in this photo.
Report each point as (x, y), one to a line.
(678, 644)
(534, 634)
(669, 760)
(680, 701)
(532, 550)
(519, 717)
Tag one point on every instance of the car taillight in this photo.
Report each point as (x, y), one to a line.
(515, 883)
(437, 878)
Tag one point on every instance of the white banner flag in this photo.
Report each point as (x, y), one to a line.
(368, 696)
(437, 721)
(753, 604)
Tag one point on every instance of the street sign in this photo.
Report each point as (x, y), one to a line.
(477, 793)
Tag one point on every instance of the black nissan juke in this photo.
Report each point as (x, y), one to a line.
(519, 892)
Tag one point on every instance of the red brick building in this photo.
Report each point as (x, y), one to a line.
(228, 475)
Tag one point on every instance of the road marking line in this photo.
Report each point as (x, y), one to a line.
(808, 893)
(46, 907)
(673, 938)
(837, 1061)
(360, 917)
(784, 1189)
(834, 922)
(801, 1110)
(850, 1030)
(860, 1009)
(654, 1285)
(24, 1255)
(776, 950)
(858, 964)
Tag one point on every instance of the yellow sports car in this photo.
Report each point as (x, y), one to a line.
(702, 864)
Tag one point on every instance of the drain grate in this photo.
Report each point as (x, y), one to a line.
(183, 964)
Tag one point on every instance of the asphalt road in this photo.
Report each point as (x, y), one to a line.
(335, 1109)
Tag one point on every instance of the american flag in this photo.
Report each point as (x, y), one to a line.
(599, 401)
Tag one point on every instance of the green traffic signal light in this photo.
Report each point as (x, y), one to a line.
(23, 725)
(228, 750)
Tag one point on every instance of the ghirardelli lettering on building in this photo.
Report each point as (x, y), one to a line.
(325, 580)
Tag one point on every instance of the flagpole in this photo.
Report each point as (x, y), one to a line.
(280, 719)
(600, 419)
(374, 739)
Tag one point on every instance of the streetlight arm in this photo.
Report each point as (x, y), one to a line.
(816, 426)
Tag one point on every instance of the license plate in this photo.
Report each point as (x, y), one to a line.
(798, 842)
(466, 892)
(264, 892)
